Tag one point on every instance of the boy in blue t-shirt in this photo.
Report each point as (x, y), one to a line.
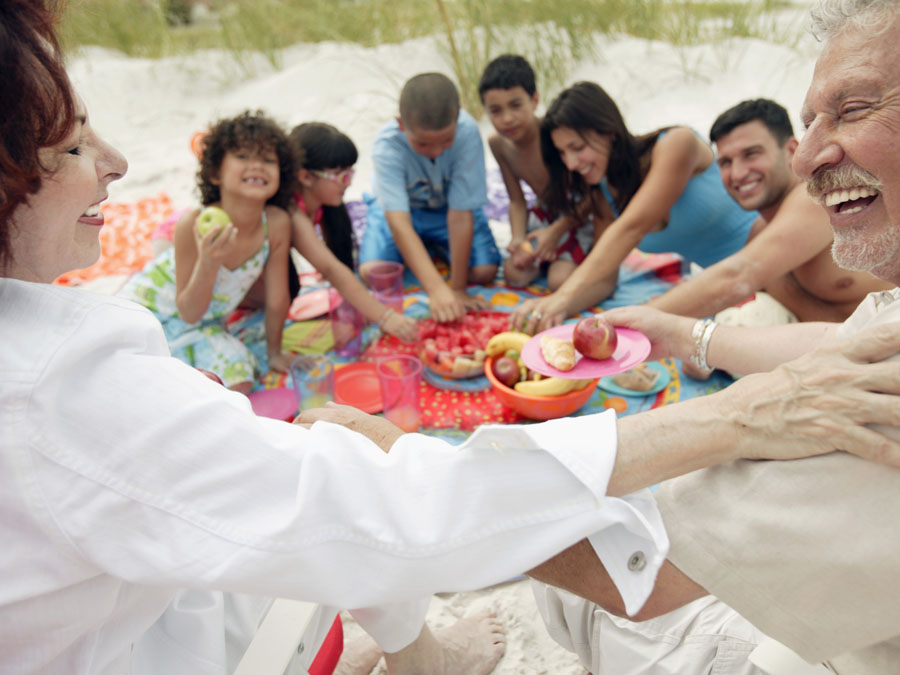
(429, 183)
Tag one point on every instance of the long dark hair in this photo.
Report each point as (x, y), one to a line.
(585, 106)
(321, 146)
(37, 108)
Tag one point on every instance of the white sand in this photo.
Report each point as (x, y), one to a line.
(150, 109)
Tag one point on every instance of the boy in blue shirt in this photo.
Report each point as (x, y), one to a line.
(430, 187)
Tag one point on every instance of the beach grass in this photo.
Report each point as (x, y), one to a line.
(551, 34)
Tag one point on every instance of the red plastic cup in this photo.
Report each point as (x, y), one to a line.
(400, 377)
(386, 282)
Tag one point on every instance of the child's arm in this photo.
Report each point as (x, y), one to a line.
(197, 262)
(304, 239)
(460, 230)
(277, 294)
(518, 208)
(444, 302)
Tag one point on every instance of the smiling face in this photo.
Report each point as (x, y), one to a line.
(755, 169)
(58, 228)
(511, 111)
(850, 153)
(430, 144)
(249, 172)
(586, 154)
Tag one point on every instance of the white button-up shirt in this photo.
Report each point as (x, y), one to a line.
(125, 475)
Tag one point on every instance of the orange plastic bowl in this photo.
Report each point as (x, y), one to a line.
(539, 407)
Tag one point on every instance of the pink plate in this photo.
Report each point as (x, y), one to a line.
(309, 305)
(279, 404)
(632, 348)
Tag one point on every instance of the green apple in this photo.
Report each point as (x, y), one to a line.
(211, 218)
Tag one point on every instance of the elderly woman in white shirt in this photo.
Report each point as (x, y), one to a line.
(125, 474)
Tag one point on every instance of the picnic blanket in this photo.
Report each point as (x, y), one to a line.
(449, 413)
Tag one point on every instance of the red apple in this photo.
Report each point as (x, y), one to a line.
(506, 370)
(595, 337)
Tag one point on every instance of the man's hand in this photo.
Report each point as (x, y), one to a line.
(824, 401)
(376, 429)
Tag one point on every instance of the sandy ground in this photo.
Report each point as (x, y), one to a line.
(150, 109)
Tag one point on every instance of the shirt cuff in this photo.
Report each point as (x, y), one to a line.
(634, 549)
(585, 445)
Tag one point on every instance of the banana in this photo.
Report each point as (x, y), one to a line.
(509, 339)
(550, 386)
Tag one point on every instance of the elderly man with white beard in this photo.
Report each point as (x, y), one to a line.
(807, 551)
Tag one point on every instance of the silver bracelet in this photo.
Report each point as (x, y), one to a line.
(701, 333)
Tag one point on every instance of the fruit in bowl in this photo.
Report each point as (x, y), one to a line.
(456, 349)
(595, 337)
(544, 399)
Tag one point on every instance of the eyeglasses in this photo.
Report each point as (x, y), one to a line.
(344, 177)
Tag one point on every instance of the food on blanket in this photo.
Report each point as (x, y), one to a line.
(211, 218)
(506, 370)
(557, 352)
(458, 349)
(526, 246)
(595, 337)
(506, 340)
(550, 386)
(639, 378)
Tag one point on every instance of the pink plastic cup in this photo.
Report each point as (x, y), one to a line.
(386, 282)
(400, 377)
(347, 325)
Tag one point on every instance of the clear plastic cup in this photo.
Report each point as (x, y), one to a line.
(347, 325)
(400, 377)
(313, 379)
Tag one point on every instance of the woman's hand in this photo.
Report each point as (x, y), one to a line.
(401, 326)
(377, 429)
(539, 314)
(669, 334)
(824, 401)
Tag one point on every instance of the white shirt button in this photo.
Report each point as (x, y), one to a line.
(637, 561)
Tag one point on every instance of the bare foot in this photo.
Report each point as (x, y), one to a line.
(360, 656)
(473, 645)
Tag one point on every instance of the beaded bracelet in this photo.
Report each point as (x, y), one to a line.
(388, 313)
(701, 333)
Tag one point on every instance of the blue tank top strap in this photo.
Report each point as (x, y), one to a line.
(604, 186)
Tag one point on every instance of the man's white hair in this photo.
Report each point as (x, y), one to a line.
(830, 17)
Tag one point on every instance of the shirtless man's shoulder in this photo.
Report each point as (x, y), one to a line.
(817, 289)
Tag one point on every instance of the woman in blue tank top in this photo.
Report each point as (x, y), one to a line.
(658, 192)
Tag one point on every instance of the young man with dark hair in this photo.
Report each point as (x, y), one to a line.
(786, 272)
(509, 94)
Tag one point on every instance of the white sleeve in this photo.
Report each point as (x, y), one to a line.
(153, 473)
